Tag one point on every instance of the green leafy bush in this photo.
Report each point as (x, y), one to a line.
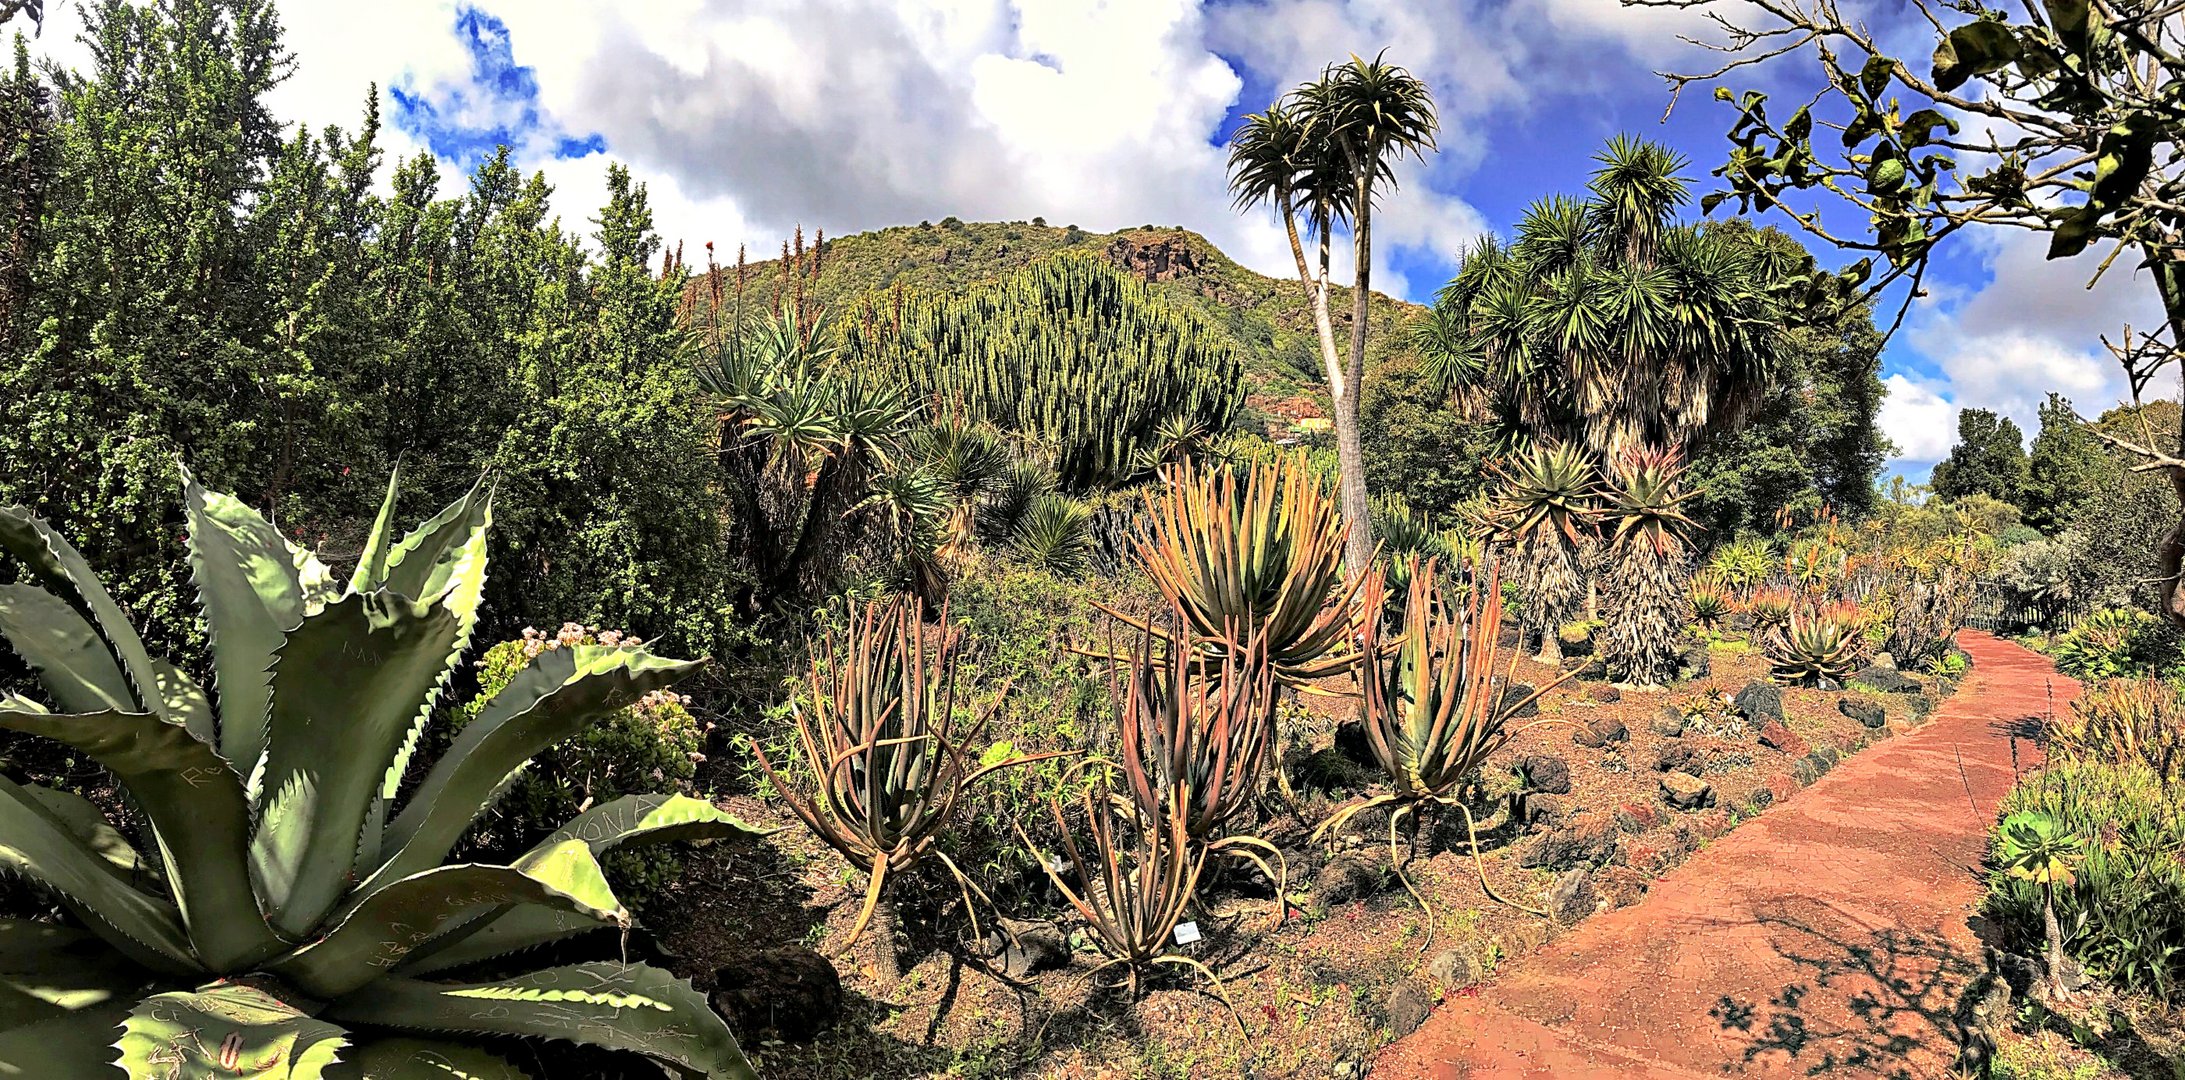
(2119, 720)
(2123, 911)
(2111, 643)
(654, 745)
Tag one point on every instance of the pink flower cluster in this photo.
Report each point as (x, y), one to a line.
(536, 641)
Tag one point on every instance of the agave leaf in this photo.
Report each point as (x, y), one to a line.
(227, 1030)
(639, 819)
(403, 915)
(346, 687)
(72, 1046)
(62, 569)
(72, 663)
(187, 704)
(77, 814)
(198, 815)
(630, 1007)
(497, 933)
(372, 565)
(422, 1059)
(443, 561)
(250, 584)
(35, 845)
(561, 692)
(48, 971)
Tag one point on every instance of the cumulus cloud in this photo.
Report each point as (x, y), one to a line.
(2003, 343)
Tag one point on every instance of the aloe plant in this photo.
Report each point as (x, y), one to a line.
(295, 912)
(1195, 735)
(1710, 600)
(1258, 555)
(1546, 505)
(1647, 556)
(1137, 887)
(1433, 709)
(886, 765)
(1828, 642)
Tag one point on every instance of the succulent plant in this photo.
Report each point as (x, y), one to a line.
(1710, 599)
(1646, 561)
(1546, 506)
(885, 764)
(296, 910)
(1828, 642)
(1770, 609)
(1433, 710)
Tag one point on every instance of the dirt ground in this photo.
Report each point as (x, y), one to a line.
(1322, 992)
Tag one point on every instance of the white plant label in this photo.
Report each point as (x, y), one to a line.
(1186, 933)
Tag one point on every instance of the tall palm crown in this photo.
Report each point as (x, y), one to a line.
(1608, 323)
(1274, 159)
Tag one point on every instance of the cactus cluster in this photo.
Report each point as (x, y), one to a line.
(1072, 353)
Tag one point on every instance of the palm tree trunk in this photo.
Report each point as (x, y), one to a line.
(1349, 450)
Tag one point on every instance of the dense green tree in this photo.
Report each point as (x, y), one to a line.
(1419, 443)
(2066, 467)
(1989, 459)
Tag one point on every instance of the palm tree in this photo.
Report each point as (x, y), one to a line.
(1327, 150)
(1608, 323)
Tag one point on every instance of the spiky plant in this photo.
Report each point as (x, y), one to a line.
(1055, 535)
(1710, 600)
(1138, 884)
(1201, 728)
(1742, 564)
(1927, 610)
(1432, 709)
(1770, 609)
(1260, 556)
(296, 910)
(1545, 505)
(970, 461)
(1814, 565)
(885, 765)
(1827, 642)
(1647, 559)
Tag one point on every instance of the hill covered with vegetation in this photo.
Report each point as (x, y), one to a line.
(1267, 320)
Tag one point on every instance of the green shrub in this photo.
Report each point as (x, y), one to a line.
(2123, 912)
(2122, 720)
(2110, 643)
(652, 746)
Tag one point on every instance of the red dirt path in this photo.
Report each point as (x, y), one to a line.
(1829, 937)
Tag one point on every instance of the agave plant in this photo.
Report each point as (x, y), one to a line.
(1137, 886)
(1647, 556)
(1827, 643)
(1546, 506)
(1710, 600)
(295, 912)
(1199, 729)
(1432, 709)
(885, 764)
(1262, 558)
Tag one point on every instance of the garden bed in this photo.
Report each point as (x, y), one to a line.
(1354, 965)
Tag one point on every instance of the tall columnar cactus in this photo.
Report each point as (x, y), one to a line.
(296, 912)
(1072, 353)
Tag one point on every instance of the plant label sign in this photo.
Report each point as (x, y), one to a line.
(1186, 933)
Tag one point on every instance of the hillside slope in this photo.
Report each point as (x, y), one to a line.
(1268, 318)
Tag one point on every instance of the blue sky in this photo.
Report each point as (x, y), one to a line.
(748, 118)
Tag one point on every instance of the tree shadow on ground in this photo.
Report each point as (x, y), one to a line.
(1881, 1003)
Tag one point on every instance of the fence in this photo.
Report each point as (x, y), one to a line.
(2007, 613)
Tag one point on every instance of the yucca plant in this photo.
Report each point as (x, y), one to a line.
(885, 763)
(1137, 885)
(1710, 600)
(1545, 505)
(1260, 556)
(1200, 727)
(1433, 710)
(296, 912)
(1828, 642)
(1647, 557)
(1055, 535)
